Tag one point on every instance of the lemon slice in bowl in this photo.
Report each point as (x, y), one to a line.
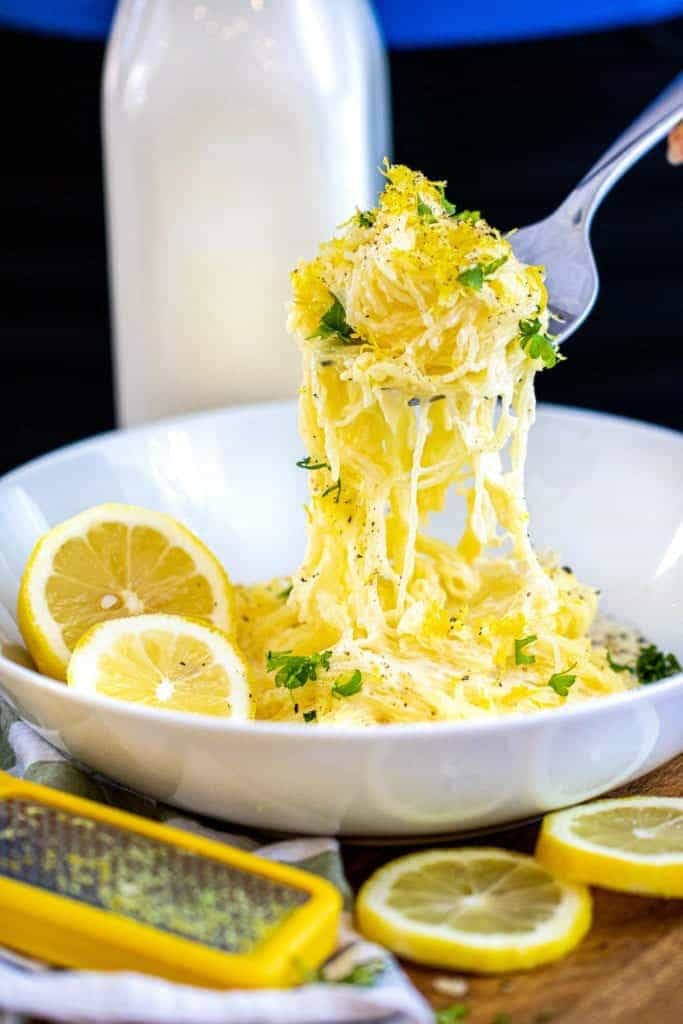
(111, 561)
(632, 844)
(163, 661)
(474, 909)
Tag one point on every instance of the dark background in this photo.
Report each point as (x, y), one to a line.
(512, 126)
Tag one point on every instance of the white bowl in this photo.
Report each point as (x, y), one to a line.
(606, 492)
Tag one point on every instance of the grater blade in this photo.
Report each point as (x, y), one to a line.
(141, 878)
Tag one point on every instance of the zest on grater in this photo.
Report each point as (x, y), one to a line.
(85, 886)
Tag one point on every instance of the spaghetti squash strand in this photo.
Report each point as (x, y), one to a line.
(425, 388)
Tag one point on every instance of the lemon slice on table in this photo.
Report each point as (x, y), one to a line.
(633, 844)
(163, 661)
(112, 561)
(474, 909)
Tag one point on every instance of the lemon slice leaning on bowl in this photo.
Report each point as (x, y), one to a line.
(163, 661)
(474, 909)
(112, 561)
(632, 844)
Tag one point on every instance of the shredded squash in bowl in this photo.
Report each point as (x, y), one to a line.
(420, 334)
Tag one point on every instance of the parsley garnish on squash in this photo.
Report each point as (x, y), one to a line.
(616, 667)
(331, 490)
(427, 214)
(310, 463)
(333, 325)
(449, 208)
(537, 344)
(365, 218)
(561, 682)
(653, 665)
(494, 265)
(520, 657)
(475, 276)
(347, 689)
(425, 211)
(295, 670)
(468, 216)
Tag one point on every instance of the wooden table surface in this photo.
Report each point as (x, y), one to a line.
(628, 970)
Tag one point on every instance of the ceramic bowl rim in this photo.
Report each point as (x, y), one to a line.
(515, 721)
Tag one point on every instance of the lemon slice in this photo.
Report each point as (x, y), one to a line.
(634, 844)
(163, 661)
(112, 561)
(475, 909)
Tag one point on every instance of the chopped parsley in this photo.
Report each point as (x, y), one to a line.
(365, 218)
(616, 667)
(331, 489)
(468, 216)
(561, 682)
(295, 670)
(653, 664)
(537, 344)
(333, 325)
(520, 657)
(449, 208)
(284, 594)
(310, 716)
(364, 975)
(347, 689)
(494, 265)
(475, 276)
(452, 1014)
(310, 463)
(425, 212)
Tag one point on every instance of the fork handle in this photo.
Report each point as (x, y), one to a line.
(646, 131)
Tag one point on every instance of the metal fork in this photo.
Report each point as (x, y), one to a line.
(562, 241)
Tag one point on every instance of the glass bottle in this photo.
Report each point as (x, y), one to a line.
(238, 134)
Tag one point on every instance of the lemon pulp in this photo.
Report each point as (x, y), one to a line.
(162, 661)
(112, 561)
(632, 844)
(475, 909)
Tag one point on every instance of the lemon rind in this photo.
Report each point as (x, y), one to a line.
(579, 860)
(82, 672)
(43, 635)
(447, 948)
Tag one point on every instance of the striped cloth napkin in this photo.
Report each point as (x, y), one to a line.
(360, 982)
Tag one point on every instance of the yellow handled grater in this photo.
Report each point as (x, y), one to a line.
(85, 886)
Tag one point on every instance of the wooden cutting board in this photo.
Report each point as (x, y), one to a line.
(629, 969)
